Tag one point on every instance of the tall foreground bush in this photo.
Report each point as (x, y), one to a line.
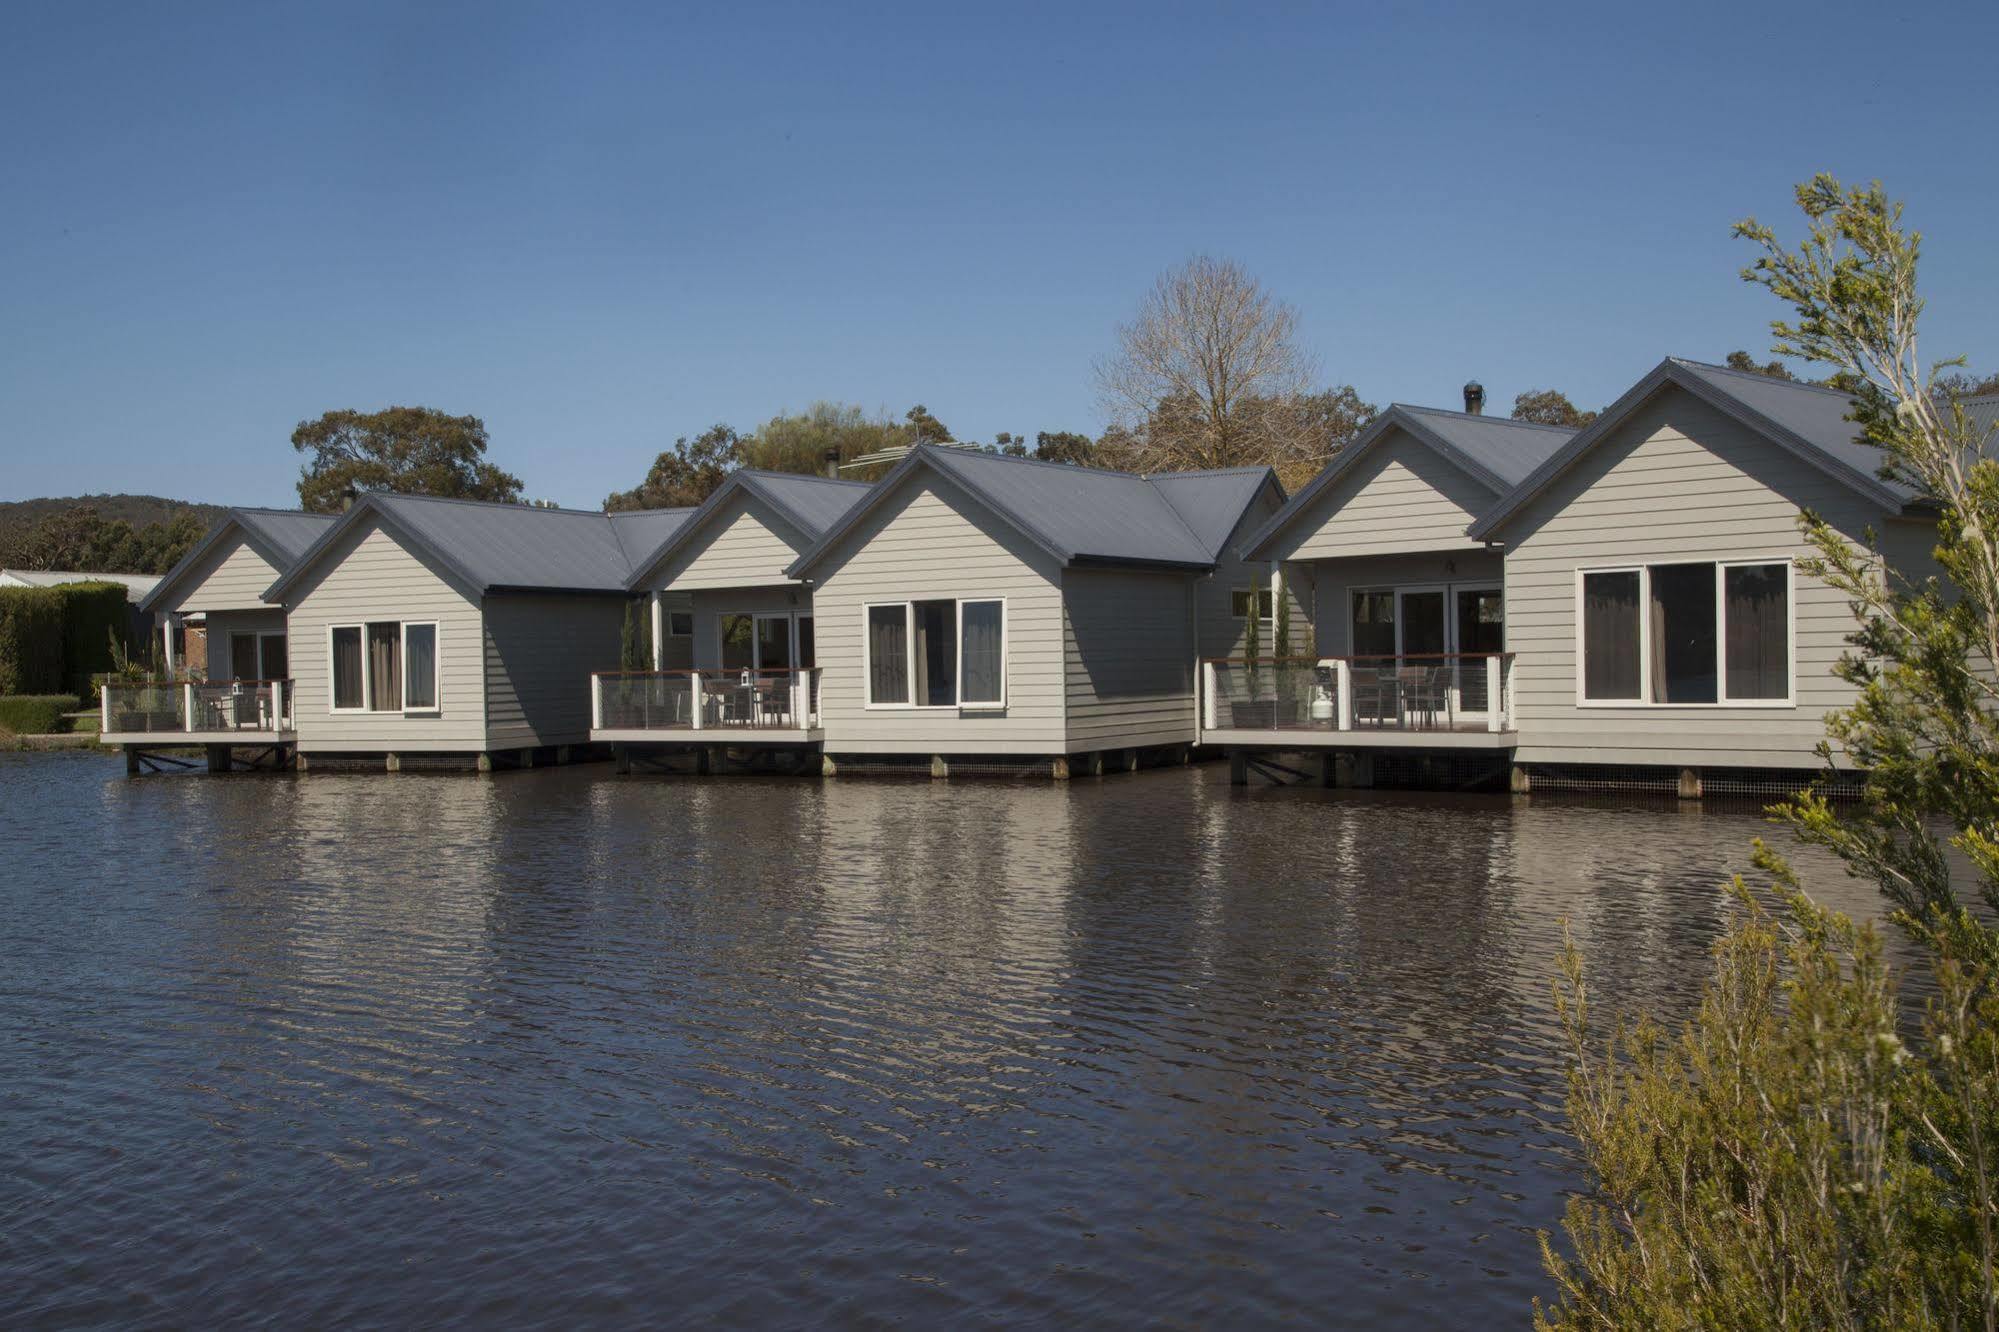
(1800, 1154)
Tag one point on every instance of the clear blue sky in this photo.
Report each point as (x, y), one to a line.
(599, 229)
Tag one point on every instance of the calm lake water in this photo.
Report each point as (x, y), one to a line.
(564, 1046)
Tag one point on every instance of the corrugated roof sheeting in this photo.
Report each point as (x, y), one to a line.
(816, 501)
(290, 532)
(1079, 512)
(514, 545)
(1212, 503)
(1508, 449)
(1816, 415)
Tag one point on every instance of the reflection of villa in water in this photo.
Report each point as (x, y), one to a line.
(1455, 596)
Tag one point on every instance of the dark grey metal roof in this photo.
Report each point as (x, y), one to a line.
(499, 547)
(809, 503)
(290, 532)
(1076, 514)
(1805, 420)
(1493, 451)
(1816, 415)
(1079, 513)
(642, 531)
(279, 535)
(815, 503)
(1212, 503)
(1505, 448)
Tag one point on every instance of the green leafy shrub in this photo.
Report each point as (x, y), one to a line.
(94, 615)
(31, 640)
(34, 714)
(1796, 1156)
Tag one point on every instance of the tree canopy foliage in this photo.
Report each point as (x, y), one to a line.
(406, 450)
(81, 538)
(1210, 373)
(1550, 407)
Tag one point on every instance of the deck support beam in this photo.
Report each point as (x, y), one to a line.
(1329, 768)
(827, 767)
(1058, 768)
(1689, 784)
(939, 769)
(1238, 767)
(394, 762)
(1519, 780)
(219, 758)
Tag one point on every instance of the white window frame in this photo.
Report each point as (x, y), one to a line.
(402, 707)
(1264, 594)
(436, 666)
(960, 704)
(1643, 569)
(332, 684)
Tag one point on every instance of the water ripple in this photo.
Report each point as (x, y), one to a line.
(571, 1047)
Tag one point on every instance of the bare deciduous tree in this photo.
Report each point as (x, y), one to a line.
(1210, 374)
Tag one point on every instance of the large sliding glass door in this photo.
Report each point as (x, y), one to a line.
(1433, 621)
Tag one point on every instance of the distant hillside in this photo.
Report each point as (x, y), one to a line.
(127, 534)
(138, 510)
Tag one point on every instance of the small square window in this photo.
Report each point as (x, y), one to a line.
(680, 624)
(1265, 600)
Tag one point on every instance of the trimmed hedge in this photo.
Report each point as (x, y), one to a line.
(31, 640)
(91, 614)
(34, 714)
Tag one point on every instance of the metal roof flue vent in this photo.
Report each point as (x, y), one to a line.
(1475, 398)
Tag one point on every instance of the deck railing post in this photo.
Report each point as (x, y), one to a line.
(596, 702)
(1343, 687)
(694, 699)
(1209, 712)
(797, 701)
(104, 708)
(1495, 695)
(187, 706)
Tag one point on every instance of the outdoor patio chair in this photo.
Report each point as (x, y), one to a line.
(1377, 695)
(1426, 695)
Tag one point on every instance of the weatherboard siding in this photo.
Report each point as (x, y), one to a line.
(1679, 481)
(1401, 496)
(1224, 633)
(1127, 650)
(369, 576)
(743, 544)
(539, 653)
(233, 576)
(932, 539)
